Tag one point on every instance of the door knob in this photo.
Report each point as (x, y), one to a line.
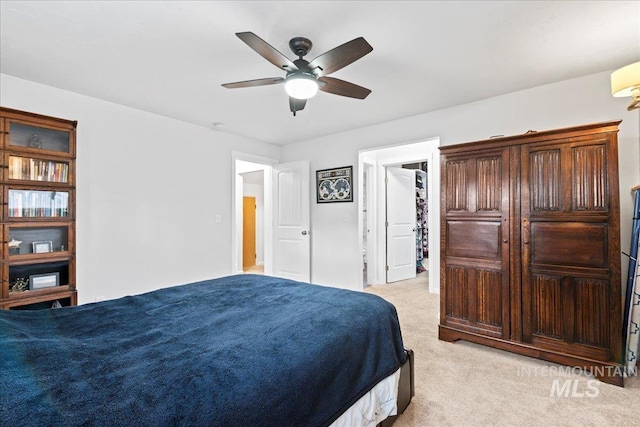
(304, 232)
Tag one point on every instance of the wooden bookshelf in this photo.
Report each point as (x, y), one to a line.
(37, 194)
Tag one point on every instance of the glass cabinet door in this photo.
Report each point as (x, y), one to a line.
(24, 239)
(35, 277)
(23, 136)
(37, 204)
(33, 169)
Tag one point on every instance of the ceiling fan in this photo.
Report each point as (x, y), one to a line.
(303, 78)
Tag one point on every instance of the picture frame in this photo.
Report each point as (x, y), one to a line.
(334, 185)
(42, 247)
(42, 281)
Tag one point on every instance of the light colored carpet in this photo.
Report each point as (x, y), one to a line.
(465, 384)
(255, 269)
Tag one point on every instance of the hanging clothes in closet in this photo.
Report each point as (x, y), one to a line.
(422, 211)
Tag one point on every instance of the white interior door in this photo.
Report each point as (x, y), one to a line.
(291, 234)
(401, 224)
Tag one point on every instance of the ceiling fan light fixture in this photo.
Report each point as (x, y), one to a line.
(301, 85)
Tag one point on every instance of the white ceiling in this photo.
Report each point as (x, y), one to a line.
(171, 58)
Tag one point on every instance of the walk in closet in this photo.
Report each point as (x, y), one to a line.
(422, 215)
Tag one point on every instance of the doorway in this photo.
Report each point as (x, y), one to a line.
(282, 216)
(249, 248)
(253, 225)
(400, 223)
(422, 214)
(372, 206)
(252, 178)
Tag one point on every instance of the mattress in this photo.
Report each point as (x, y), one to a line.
(374, 407)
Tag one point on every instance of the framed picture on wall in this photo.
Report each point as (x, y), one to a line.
(334, 185)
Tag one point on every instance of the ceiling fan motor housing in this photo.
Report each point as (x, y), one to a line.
(300, 46)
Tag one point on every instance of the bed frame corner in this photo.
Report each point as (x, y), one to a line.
(406, 388)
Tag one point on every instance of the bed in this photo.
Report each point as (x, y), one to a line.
(239, 350)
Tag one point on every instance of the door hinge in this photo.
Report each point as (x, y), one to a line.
(387, 268)
(386, 224)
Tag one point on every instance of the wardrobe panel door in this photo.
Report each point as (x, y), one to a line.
(570, 259)
(475, 252)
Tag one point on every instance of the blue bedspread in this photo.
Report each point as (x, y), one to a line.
(242, 350)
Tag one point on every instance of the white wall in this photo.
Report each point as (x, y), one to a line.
(150, 187)
(148, 191)
(335, 257)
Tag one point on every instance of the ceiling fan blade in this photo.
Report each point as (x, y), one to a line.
(256, 82)
(343, 88)
(340, 57)
(296, 104)
(267, 51)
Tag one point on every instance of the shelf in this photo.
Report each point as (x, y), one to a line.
(39, 293)
(39, 258)
(33, 297)
(33, 203)
(37, 192)
(41, 238)
(40, 170)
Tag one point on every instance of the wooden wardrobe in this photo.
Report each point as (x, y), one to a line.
(530, 246)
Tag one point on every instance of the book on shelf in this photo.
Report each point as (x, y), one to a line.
(30, 169)
(38, 204)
